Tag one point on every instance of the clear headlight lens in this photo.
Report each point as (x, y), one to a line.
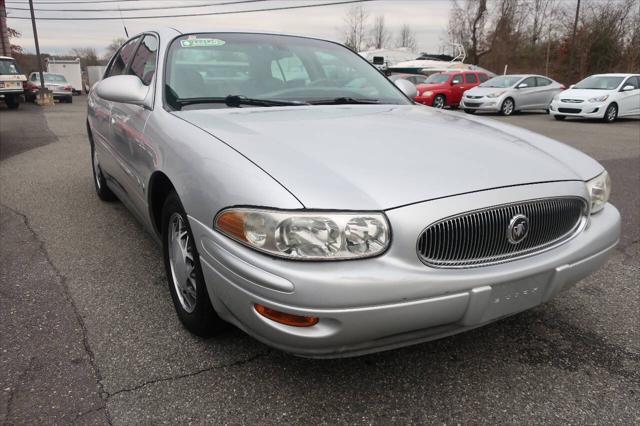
(599, 190)
(306, 235)
(599, 98)
(496, 94)
(427, 93)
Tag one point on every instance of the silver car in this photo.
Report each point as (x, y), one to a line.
(301, 196)
(507, 94)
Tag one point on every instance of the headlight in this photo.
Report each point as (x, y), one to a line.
(495, 94)
(306, 235)
(599, 190)
(599, 98)
(427, 93)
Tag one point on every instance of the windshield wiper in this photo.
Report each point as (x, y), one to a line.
(235, 101)
(344, 100)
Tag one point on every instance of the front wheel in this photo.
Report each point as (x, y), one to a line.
(99, 181)
(508, 106)
(12, 102)
(184, 272)
(610, 114)
(439, 102)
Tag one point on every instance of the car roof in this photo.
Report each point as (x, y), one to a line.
(186, 29)
(613, 75)
(7, 57)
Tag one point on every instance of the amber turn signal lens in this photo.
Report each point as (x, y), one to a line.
(286, 319)
(232, 223)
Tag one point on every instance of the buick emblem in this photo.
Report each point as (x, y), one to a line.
(518, 228)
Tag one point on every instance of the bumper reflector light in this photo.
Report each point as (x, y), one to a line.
(284, 318)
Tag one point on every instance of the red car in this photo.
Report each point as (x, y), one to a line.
(446, 88)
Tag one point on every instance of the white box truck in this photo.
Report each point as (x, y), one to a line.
(71, 70)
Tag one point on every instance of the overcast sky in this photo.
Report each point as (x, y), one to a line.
(427, 18)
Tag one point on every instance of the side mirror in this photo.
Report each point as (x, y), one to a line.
(127, 89)
(407, 87)
(627, 88)
(572, 86)
(522, 86)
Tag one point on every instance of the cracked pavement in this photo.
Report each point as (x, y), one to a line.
(88, 334)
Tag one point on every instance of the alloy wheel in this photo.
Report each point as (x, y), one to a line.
(612, 113)
(97, 174)
(182, 262)
(438, 102)
(507, 107)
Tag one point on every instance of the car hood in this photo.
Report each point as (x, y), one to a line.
(583, 94)
(376, 157)
(432, 86)
(483, 91)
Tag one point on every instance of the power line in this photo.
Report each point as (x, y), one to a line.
(82, 1)
(182, 6)
(186, 15)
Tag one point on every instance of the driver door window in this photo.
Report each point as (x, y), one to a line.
(457, 79)
(144, 62)
(122, 58)
(530, 82)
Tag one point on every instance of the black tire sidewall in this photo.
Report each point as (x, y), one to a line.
(103, 191)
(203, 321)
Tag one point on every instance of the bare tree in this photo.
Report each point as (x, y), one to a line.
(113, 47)
(467, 26)
(379, 33)
(355, 24)
(406, 38)
(87, 55)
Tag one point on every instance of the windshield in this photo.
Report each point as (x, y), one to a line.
(599, 82)
(502, 81)
(437, 78)
(270, 67)
(55, 78)
(8, 66)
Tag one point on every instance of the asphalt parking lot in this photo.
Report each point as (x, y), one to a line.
(88, 333)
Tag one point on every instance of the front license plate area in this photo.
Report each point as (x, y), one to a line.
(516, 296)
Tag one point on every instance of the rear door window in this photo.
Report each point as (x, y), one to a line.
(541, 81)
(144, 62)
(471, 78)
(122, 58)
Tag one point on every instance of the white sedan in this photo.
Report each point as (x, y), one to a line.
(602, 96)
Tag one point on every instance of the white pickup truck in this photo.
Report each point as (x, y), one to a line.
(11, 82)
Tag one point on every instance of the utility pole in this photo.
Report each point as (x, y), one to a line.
(43, 94)
(573, 37)
(5, 46)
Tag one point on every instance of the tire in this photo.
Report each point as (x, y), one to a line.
(99, 181)
(182, 263)
(559, 117)
(12, 102)
(611, 113)
(439, 102)
(470, 111)
(508, 107)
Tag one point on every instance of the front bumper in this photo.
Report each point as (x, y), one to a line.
(482, 104)
(584, 109)
(395, 300)
(424, 100)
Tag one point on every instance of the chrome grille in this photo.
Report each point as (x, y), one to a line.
(480, 237)
(572, 101)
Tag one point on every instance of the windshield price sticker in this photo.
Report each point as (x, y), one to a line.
(202, 42)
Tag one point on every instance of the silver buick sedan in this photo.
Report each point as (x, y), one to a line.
(300, 195)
